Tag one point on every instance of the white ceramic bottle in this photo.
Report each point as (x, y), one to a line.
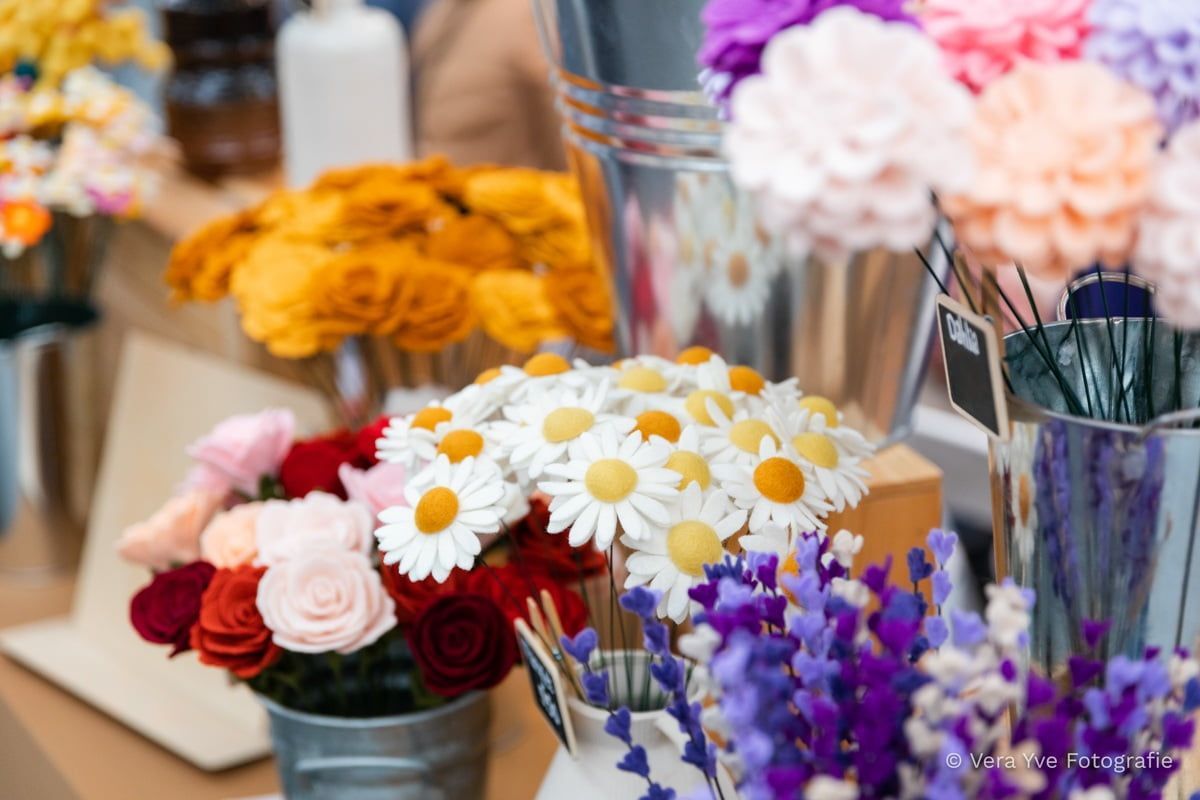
(343, 89)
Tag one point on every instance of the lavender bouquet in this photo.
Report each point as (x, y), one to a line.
(827, 687)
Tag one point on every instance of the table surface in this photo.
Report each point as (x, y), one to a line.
(54, 746)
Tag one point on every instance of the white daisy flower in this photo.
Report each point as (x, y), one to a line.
(843, 547)
(834, 465)
(647, 382)
(459, 438)
(775, 489)
(546, 424)
(736, 440)
(820, 415)
(609, 480)
(396, 444)
(672, 561)
(439, 528)
(541, 372)
(771, 538)
(738, 284)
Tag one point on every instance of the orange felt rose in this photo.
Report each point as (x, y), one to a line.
(475, 242)
(582, 300)
(514, 310)
(384, 206)
(365, 287)
(438, 307)
(201, 265)
(230, 632)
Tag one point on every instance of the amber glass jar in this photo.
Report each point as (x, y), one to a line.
(221, 99)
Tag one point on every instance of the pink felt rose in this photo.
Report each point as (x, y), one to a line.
(325, 600)
(377, 488)
(246, 447)
(230, 540)
(286, 529)
(172, 535)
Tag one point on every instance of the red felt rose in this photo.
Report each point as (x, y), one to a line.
(164, 611)
(230, 632)
(462, 642)
(510, 585)
(366, 437)
(312, 464)
(551, 553)
(412, 597)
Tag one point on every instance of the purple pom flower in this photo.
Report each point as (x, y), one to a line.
(968, 628)
(656, 792)
(581, 647)
(635, 761)
(936, 631)
(942, 544)
(618, 725)
(942, 586)
(595, 688)
(918, 567)
(1093, 632)
(641, 601)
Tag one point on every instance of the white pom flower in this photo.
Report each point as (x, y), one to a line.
(851, 125)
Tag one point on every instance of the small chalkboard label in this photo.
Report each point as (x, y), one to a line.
(546, 683)
(971, 356)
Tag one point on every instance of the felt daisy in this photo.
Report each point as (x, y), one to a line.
(672, 561)
(459, 438)
(738, 284)
(686, 461)
(544, 426)
(814, 414)
(735, 440)
(541, 372)
(439, 528)
(610, 480)
(742, 384)
(771, 538)
(774, 489)
(396, 444)
(646, 382)
(837, 472)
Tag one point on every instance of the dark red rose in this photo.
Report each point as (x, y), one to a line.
(462, 642)
(509, 585)
(312, 464)
(164, 611)
(551, 553)
(366, 437)
(230, 632)
(412, 597)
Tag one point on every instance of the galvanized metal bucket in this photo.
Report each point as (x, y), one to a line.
(688, 262)
(1102, 519)
(430, 755)
(48, 433)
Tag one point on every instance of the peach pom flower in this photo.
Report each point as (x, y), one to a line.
(1168, 247)
(984, 39)
(325, 600)
(1062, 157)
(229, 540)
(843, 136)
(172, 535)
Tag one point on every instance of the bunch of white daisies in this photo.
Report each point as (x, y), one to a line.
(676, 457)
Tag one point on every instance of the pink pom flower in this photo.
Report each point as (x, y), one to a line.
(842, 138)
(246, 447)
(377, 488)
(1062, 157)
(1168, 246)
(287, 529)
(322, 601)
(984, 39)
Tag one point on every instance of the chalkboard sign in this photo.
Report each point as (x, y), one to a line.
(546, 684)
(971, 356)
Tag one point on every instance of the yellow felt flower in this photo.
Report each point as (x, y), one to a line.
(583, 302)
(366, 287)
(475, 242)
(514, 309)
(438, 308)
(201, 265)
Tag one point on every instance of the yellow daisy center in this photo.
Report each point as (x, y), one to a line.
(697, 405)
(820, 405)
(436, 509)
(460, 444)
(738, 270)
(691, 545)
(430, 417)
(564, 424)
(610, 480)
(546, 364)
(748, 434)
(745, 379)
(694, 355)
(488, 375)
(779, 480)
(817, 448)
(642, 379)
(692, 467)
(658, 423)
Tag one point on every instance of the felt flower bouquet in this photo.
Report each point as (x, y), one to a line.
(427, 272)
(265, 564)
(1060, 139)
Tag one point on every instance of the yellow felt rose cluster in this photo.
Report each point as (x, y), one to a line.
(59, 36)
(422, 254)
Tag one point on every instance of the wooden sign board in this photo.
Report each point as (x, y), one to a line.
(166, 397)
(971, 356)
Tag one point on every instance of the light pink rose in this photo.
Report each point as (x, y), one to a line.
(286, 529)
(325, 600)
(230, 540)
(247, 446)
(377, 488)
(172, 535)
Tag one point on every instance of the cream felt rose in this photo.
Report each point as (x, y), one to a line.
(230, 539)
(325, 600)
(246, 447)
(172, 536)
(286, 529)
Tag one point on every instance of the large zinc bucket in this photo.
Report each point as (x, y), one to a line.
(49, 432)
(430, 755)
(1102, 518)
(688, 263)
